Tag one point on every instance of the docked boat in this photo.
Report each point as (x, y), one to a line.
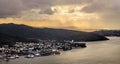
(37, 54)
(55, 51)
(30, 56)
(6, 59)
(12, 57)
(16, 56)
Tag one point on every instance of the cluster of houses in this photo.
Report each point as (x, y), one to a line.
(41, 48)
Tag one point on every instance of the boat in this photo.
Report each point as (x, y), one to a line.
(56, 52)
(16, 56)
(6, 59)
(12, 57)
(30, 56)
(37, 54)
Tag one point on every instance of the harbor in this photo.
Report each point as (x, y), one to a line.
(97, 52)
(37, 49)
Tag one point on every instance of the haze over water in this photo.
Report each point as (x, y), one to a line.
(98, 52)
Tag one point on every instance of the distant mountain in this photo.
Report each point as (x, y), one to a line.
(28, 32)
(108, 32)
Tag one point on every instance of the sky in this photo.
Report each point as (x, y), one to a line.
(66, 14)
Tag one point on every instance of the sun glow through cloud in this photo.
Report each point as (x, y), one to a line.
(68, 15)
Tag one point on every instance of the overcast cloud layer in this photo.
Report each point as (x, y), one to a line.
(13, 7)
(42, 10)
(104, 7)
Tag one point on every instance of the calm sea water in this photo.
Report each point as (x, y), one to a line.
(99, 52)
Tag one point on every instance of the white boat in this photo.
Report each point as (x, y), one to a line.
(16, 56)
(30, 56)
(12, 57)
(55, 51)
(37, 54)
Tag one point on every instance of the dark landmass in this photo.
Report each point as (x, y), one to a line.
(27, 32)
(108, 32)
(7, 39)
(10, 40)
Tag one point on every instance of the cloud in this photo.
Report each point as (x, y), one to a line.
(10, 8)
(107, 10)
(48, 11)
(77, 12)
(102, 6)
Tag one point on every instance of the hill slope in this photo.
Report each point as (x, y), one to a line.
(24, 31)
(108, 32)
(7, 39)
(10, 40)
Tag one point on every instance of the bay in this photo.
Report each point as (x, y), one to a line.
(97, 52)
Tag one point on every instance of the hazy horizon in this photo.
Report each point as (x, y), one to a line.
(65, 14)
(66, 28)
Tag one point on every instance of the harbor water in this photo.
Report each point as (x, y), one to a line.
(97, 52)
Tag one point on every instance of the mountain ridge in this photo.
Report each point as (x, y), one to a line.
(108, 32)
(25, 31)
